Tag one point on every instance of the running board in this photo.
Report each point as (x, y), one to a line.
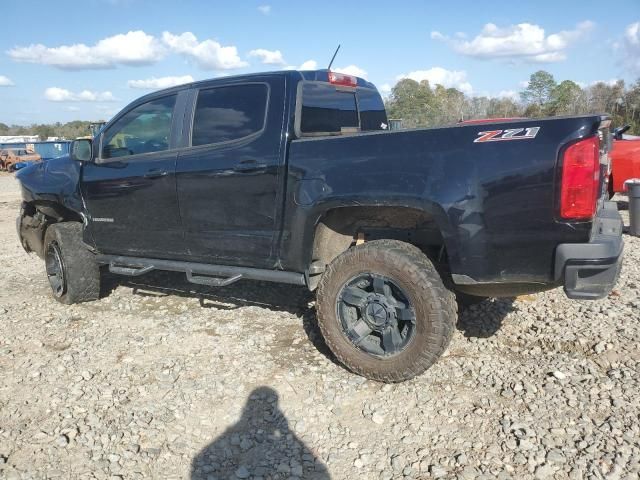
(211, 281)
(200, 273)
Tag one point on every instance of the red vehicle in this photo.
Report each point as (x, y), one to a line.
(625, 159)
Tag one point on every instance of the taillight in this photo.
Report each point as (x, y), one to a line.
(342, 79)
(580, 179)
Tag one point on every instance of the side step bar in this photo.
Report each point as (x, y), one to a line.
(200, 273)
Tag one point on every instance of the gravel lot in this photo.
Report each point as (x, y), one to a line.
(164, 379)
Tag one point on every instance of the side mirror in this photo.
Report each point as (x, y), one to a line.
(82, 150)
(617, 133)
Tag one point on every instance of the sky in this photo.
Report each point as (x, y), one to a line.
(85, 60)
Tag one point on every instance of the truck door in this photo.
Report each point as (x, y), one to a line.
(130, 192)
(230, 179)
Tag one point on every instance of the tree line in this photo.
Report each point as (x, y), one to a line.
(419, 104)
(69, 130)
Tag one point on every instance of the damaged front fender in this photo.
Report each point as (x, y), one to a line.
(55, 181)
(50, 194)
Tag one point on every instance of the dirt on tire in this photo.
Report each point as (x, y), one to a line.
(81, 271)
(435, 307)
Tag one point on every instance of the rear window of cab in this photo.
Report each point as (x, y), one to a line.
(326, 109)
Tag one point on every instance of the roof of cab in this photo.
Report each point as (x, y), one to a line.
(299, 75)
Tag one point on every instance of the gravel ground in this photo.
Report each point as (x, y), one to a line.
(163, 379)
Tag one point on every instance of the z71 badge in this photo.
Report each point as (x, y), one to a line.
(508, 134)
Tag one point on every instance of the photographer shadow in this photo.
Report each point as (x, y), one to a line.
(259, 445)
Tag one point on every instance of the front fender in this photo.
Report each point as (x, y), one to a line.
(50, 193)
(55, 182)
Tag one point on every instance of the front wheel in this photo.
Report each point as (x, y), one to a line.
(384, 311)
(73, 273)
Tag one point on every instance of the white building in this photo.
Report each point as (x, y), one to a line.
(19, 138)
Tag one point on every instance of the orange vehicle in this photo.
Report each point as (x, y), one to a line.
(9, 157)
(625, 159)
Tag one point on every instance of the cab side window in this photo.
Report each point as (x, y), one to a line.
(372, 112)
(229, 113)
(145, 129)
(327, 110)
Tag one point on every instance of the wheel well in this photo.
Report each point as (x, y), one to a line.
(38, 216)
(56, 212)
(341, 228)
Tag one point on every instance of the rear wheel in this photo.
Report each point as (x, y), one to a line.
(384, 311)
(73, 273)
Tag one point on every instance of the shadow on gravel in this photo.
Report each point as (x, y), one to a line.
(261, 444)
(622, 204)
(484, 319)
(312, 330)
(273, 296)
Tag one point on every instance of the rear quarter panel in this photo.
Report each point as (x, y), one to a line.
(494, 202)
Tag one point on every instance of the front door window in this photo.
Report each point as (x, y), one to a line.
(145, 129)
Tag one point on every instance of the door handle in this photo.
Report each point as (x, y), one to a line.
(248, 166)
(156, 173)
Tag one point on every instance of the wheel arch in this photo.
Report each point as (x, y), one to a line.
(37, 216)
(338, 228)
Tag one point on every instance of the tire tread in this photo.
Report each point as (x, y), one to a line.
(81, 270)
(442, 318)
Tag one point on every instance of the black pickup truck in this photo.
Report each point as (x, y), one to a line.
(293, 177)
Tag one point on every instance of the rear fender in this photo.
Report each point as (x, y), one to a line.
(299, 244)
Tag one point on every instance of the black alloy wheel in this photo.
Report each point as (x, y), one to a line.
(376, 315)
(55, 270)
(384, 311)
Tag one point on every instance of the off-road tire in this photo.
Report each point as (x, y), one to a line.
(435, 309)
(81, 271)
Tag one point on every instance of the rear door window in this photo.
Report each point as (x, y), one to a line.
(229, 113)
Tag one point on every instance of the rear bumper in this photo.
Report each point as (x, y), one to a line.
(589, 271)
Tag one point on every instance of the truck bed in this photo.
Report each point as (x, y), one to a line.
(484, 197)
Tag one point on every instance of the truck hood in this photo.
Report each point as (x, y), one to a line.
(56, 181)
